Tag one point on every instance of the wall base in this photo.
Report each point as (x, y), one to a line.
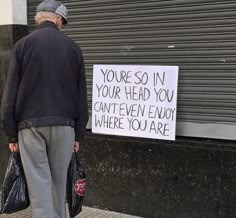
(152, 178)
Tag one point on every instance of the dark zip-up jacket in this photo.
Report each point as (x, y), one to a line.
(46, 84)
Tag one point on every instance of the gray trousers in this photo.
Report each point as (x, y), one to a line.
(46, 153)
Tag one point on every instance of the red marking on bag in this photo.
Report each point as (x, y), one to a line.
(80, 187)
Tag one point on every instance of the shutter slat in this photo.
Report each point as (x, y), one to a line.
(197, 35)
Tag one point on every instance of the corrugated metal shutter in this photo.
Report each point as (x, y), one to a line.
(197, 35)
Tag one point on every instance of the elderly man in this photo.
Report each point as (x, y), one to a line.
(44, 107)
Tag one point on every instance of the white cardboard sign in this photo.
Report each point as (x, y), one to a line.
(132, 100)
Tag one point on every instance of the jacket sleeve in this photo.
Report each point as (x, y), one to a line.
(9, 122)
(82, 116)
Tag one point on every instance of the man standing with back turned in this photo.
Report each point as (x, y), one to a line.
(44, 107)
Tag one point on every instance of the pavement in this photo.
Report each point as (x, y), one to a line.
(87, 212)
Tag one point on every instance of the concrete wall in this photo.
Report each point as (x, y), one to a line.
(13, 12)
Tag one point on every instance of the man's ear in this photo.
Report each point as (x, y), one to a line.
(35, 20)
(59, 22)
(37, 23)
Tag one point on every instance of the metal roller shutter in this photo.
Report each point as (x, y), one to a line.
(197, 35)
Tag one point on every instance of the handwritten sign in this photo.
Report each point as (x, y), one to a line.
(132, 100)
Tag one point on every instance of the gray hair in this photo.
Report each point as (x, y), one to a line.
(43, 16)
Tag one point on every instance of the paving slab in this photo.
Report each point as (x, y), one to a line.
(87, 212)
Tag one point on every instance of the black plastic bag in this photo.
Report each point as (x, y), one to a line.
(14, 194)
(75, 188)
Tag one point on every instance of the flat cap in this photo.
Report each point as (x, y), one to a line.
(54, 7)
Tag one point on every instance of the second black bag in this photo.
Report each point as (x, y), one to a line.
(14, 194)
(75, 188)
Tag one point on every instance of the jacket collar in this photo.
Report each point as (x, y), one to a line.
(47, 24)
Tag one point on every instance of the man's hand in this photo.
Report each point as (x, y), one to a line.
(14, 147)
(76, 146)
